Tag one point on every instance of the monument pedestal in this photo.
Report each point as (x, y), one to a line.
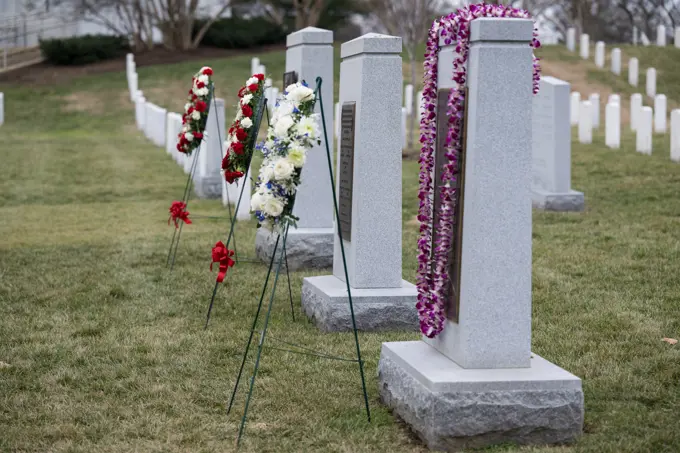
(305, 247)
(325, 302)
(548, 201)
(452, 408)
(208, 187)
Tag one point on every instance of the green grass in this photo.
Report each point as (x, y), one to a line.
(105, 347)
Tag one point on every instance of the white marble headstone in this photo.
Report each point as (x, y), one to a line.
(585, 46)
(675, 135)
(660, 112)
(650, 82)
(633, 71)
(408, 99)
(571, 39)
(613, 125)
(585, 123)
(595, 109)
(635, 110)
(599, 54)
(643, 139)
(574, 107)
(661, 35)
(616, 61)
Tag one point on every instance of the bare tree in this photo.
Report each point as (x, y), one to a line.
(175, 19)
(410, 19)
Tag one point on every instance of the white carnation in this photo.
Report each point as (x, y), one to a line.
(196, 115)
(187, 106)
(189, 136)
(252, 81)
(282, 126)
(203, 78)
(201, 92)
(308, 126)
(283, 169)
(267, 174)
(245, 100)
(297, 155)
(239, 114)
(246, 123)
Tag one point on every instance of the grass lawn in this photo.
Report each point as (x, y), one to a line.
(103, 349)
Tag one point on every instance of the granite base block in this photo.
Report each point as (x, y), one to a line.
(305, 247)
(451, 408)
(208, 187)
(325, 302)
(547, 201)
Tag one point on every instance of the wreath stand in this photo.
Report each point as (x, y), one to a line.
(262, 107)
(177, 233)
(263, 333)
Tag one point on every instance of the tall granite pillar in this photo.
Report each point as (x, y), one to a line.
(310, 55)
(208, 176)
(477, 383)
(369, 197)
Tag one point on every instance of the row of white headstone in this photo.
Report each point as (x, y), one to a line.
(644, 121)
(162, 128)
(2, 108)
(633, 64)
(660, 39)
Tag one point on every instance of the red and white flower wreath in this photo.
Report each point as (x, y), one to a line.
(196, 111)
(241, 139)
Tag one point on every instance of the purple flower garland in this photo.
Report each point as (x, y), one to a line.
(432, 278)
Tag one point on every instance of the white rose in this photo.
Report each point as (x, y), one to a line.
(189, 136)
(290, 88)
(245, 100)
(196, 115)
(267, 173)
(301, 93)
(256, 202)
(246, 123)
(282, 126)
(273, 207)
(283, 169)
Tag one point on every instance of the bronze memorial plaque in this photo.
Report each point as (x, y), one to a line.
(452, 294)
(289, 78)
(346, 172)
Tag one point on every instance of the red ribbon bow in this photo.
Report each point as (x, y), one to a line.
(221, 254)
(178, 212)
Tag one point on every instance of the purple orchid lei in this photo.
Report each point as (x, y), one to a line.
(432, 267)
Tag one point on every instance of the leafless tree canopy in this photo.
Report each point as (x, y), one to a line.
(608, 20)
(136, 18)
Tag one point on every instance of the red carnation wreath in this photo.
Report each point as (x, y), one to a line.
(241, 139)
(196, 111)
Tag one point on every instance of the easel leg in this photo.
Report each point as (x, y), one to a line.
(290, 291)
(252, 329)
(185, 199)
(262, 339)
(342, 249)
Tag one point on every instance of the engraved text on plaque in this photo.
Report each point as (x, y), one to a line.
(346, 171)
